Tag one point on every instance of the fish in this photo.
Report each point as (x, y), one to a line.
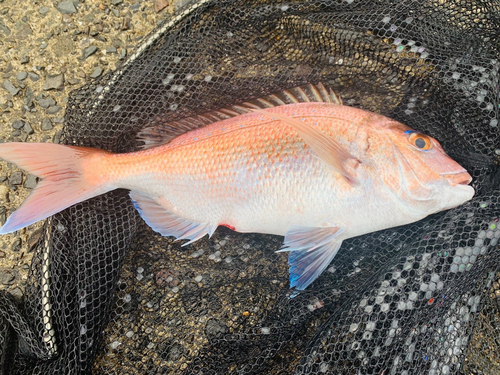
(298, 164)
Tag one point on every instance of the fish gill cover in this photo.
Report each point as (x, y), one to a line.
(108, 295)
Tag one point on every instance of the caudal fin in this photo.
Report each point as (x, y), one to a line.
(64, 180)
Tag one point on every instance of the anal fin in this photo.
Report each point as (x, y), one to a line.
(311, 251)
(168, 224)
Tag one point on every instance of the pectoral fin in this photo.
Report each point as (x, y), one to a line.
(311, 251)
(166, 223)
(326, 148)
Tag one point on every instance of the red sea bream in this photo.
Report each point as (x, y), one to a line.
(302, 166)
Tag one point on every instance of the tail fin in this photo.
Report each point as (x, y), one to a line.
(64, 181)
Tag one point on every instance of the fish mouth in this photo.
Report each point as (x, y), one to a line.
(458, 178)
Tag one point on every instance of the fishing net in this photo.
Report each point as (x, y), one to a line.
(107, 295)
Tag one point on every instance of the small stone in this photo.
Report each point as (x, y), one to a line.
(16, 178)
(54, 82)
(28, 129)
(46, 102)
(43, 45)
(7, 277)
(7, 85)
(21, 76)
(125, 23)
(4, 28)
(33, 76)
(116, 2)
(17, 293)
(123, 53)
(29, 96)
(24, 32)
(46, 124)
(2, 254)
(43, 11)
(25, 59)
(30, 182)
(90, 50)
(16, 245)
(53, 109)
(96, 73)
(73, 81)
(18, 124)
(4, 196)
(135, 6)
(111, 50)
(66, 7)
(215, 327)
(160, 5)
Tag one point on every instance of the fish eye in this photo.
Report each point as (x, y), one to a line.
(419, 140)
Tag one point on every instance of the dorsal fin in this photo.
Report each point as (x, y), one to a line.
(161, 134)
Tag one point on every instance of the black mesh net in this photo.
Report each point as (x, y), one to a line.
(107, 295)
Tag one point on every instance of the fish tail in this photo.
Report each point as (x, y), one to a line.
(69, 175)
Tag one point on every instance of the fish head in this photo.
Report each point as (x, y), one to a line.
(420, 172)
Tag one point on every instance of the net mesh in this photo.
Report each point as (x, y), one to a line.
(108, 295)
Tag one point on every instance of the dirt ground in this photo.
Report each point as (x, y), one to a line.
(47, 49)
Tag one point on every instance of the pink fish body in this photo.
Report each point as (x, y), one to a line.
(314, 172)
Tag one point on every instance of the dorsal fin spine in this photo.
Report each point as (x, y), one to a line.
(161, 134)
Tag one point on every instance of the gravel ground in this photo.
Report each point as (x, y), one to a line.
(47, 49)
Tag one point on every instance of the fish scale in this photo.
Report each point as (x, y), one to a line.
(312, 170)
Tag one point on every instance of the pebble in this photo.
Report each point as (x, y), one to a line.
(17, 293)
(25, 59)
(10, 87)
(16, 245)
(135, 6)
(90, 50)
(16, 178)
(2, 254)
(54, 82)
(7, 277)
(215, 327)
(46, 102)
(160, 5)
(66, 7)
(123, 53)
(96, 73)
(4, 191)
(111, 50)
(18, 124)
(30, 182)
(73, 81)
(53, 109)
(43, 11)
(27, 128)
(33, 76)
(5, 29)
(46, 124)
(29, 96)
(21, 76)
(116, 2)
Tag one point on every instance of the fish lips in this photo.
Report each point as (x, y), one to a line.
(459, 182)
(457, 178)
